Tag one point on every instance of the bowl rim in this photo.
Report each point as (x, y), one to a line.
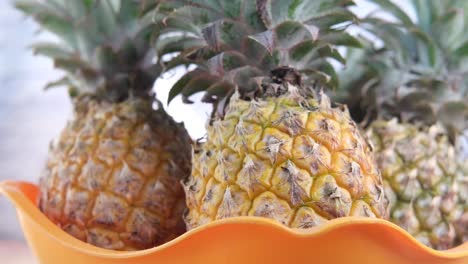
(14, 191)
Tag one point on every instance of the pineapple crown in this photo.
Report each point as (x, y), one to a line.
(240, 44)
(419, 75)
(103, 45)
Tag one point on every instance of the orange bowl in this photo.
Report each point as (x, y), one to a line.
(236, 240)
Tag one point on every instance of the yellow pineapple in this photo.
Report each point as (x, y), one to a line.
(112, 177)
(412, 97)
(275, 147)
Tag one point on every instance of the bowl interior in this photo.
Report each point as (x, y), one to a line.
(243, 238)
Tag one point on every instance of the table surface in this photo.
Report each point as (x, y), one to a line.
(15, 252)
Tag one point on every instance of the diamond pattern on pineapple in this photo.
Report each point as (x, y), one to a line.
(308, 165)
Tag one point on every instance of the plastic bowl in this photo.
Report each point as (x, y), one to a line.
(236, 240)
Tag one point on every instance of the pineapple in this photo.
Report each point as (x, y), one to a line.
(412, 97)
(112, 177)
(276, 147)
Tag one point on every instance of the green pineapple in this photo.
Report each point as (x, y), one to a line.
(412, 97)
(112, 177)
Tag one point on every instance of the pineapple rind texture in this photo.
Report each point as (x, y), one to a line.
(300, 164)
(426, 186)
(112, 178)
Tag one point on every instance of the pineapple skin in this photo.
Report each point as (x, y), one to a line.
(112, 179)
(275, 158)
(425, 181)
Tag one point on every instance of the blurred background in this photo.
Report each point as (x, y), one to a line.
(30, 117)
